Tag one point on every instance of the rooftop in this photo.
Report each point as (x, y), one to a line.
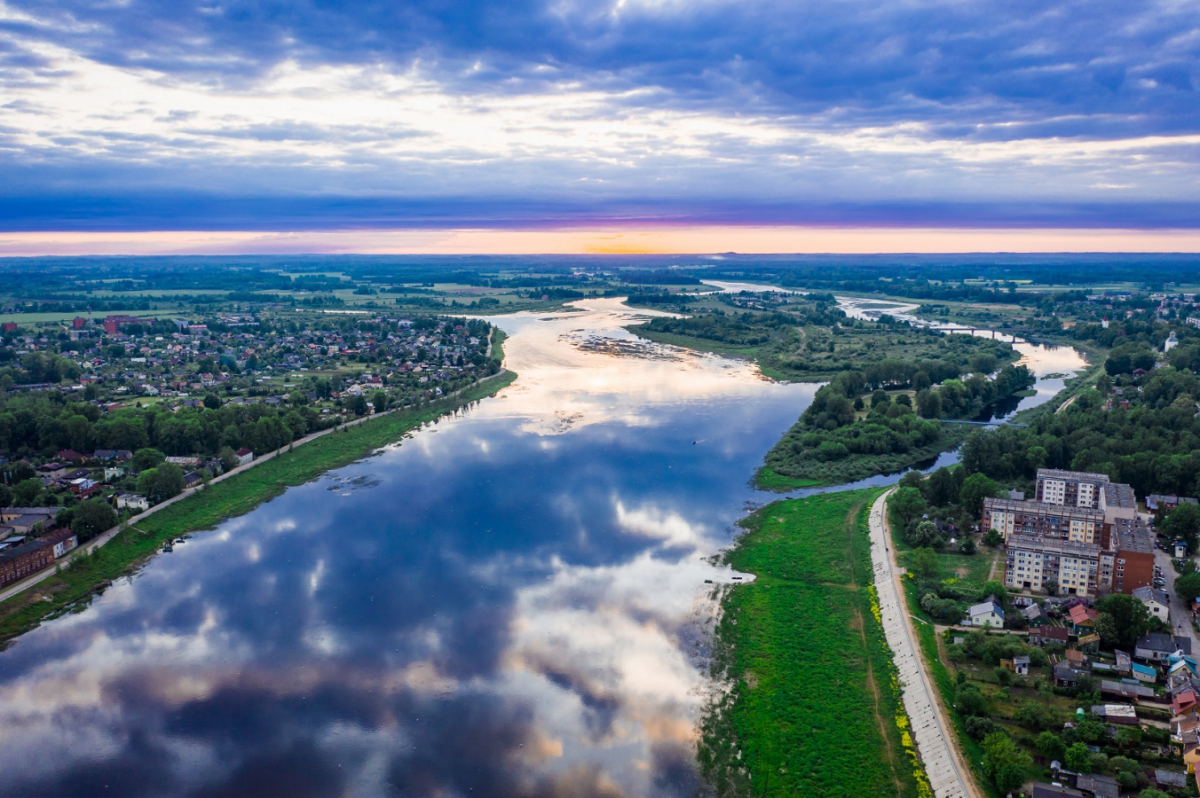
(1071, 476)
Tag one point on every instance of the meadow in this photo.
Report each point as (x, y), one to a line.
(812, 706)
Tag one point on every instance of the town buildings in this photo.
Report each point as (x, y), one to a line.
(1083, 533)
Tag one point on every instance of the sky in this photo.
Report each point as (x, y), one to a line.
(611, 126)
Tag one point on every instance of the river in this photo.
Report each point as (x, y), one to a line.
(511, 602)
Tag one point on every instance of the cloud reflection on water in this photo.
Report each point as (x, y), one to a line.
(511, 606)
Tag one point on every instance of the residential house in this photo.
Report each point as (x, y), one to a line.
(25, 524)
(132, 501)
(1169, 780)
(62, 541)
(51, 470)
(192, 479)
(1159, 504)
(1125, 690)
(1144, 673)
(1021, 665)
(987, 613)
(1041, 635)
(1157, 647)
(1094, 786)
(1066, 676)
(1042, 790)
(1069, 488)
(1117, 714)
(1082, 620)
(1034, 616)
(1155, 601)
(244, 456)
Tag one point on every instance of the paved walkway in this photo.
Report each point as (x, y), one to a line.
(948, 774)
(105, 537)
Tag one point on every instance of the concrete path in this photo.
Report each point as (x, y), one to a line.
(105, 537)
(949, 775)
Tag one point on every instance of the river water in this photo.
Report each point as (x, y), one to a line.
(511, 602)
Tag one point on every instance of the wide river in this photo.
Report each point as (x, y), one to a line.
(511, 602)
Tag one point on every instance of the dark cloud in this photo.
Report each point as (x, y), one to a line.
(912, 60)
(953, 73)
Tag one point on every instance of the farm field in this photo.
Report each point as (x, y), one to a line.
(812, 707)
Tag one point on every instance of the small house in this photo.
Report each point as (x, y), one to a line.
(1034, 616)
(1041, 635)
(244, 456)
(132, 501)
(987, 613)
(1181, 551)
(1155, 601)
(1157, 647)
(1083, 620)
(1144, 673)
(192, 479)
(1094, 786)
(1066, 676)
(1021, 665)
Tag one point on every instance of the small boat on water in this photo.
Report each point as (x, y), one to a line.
(167, 548)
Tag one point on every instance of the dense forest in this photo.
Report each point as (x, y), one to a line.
(840, 438)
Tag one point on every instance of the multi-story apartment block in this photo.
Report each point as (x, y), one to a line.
(1033, 561)
(1073, 488)
(1040, 519)
(1118, 501)
(1131, 543)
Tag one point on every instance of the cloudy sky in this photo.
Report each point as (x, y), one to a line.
(171, 125)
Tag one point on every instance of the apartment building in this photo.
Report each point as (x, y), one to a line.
(1042, 519)
(1072, 488)
(1131, 542)
(1033, 560)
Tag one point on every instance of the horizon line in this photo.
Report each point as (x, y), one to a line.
(666, 240)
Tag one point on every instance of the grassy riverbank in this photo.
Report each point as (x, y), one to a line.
(73, 587)
(813, 707)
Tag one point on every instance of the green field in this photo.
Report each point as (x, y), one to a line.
(74, 586)
(813, 707)
(25, 319)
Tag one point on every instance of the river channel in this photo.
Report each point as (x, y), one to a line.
(511, 602)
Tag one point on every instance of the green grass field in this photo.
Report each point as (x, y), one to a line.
(813, 705)
(73, 587)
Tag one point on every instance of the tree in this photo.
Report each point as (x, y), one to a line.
(997, 589)
(968, 546)
(1076, 758)
(1004, 762)
(379, 401)
(993, 538)
(969, 701)
(978, 728)
(228, 457)
(1051, 746)
(1051, 587)
(91, 518)
(25, 493)
(923, 534)
(928, 404)
(943, 488)
(975, 489)
(161, 483)
(1183, 523)
(1129, 737)
(146, 458)
(212, 401)
(1123, 619)
(924, 562)
(908, 504)
(1188, 587)
(357, 405)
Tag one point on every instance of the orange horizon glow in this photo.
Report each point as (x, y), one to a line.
(662, 240)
